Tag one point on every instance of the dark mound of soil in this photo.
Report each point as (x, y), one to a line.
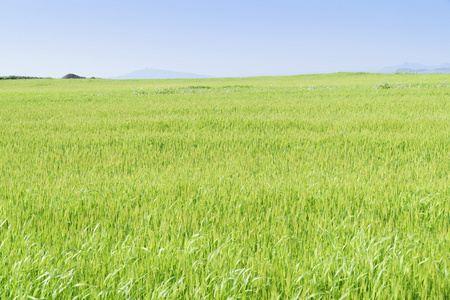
(72, 76)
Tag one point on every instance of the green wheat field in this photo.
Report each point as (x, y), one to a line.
(305, 187)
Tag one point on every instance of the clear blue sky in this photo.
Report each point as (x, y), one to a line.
(221, 38)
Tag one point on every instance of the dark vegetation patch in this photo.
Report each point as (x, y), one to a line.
(199, 87)
(12, 77)
(73, 76)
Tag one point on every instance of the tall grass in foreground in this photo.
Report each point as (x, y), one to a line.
(332, 186)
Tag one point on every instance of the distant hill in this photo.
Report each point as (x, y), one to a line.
(72, 76)
(159, 74)
(417, 68)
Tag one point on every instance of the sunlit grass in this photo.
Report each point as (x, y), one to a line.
(321, 186)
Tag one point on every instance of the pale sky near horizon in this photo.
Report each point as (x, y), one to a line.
(220, 38)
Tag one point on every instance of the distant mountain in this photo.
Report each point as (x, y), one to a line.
(159, 74)
(421, 69)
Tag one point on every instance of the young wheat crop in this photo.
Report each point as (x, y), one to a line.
(320, 187)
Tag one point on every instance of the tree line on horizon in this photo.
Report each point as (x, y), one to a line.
(21, 77)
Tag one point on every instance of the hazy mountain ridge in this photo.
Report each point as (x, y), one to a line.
(417, 68)
(149, 73)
